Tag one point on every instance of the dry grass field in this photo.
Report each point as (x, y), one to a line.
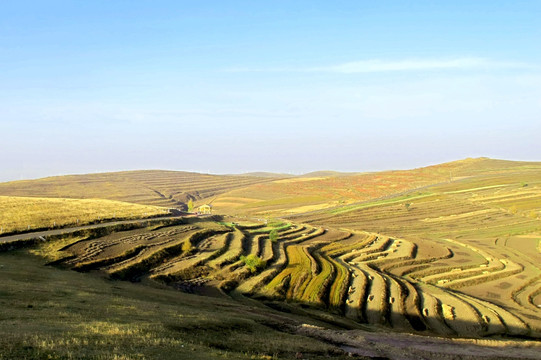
(19, 214)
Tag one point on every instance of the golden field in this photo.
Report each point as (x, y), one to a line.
(23, 213)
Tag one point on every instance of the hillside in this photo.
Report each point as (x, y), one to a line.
(152, 187)
(260, 194)
(327, 173)
(49, 313)
(19, 214)
(491, 224)
(441, 258)
(264, 174)
(311, 193)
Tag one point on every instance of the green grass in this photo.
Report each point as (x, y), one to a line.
(273, 226)
(339, 286)
(297, 270)
(315, 291)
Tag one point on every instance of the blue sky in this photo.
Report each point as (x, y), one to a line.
(235, 86)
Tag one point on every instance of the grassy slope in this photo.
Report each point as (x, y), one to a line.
(48, 313)
(265, 174)
(19, 213)
(153, 187)
(517, 194)
(304, 265)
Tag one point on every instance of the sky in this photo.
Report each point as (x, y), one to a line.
(281, 86)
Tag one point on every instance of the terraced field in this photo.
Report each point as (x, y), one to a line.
(476, 239)
(364, 276)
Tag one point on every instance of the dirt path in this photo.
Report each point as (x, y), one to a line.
(397, 346)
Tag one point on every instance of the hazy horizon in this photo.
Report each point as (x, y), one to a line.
(209, 172)
(240, 87)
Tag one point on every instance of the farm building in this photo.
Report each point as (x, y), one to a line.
(205, 209)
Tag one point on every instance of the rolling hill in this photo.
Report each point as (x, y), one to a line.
(449, 250)
(260, 194)
(310, 193)
(152, 187)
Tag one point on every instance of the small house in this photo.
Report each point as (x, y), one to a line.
(205, 209)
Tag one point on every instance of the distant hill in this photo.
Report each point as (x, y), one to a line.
(149, 187)
(326, 189)
(327, 173)
(484, 166)
(264, 174)
(262, 193)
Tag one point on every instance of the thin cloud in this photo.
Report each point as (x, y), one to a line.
(377, 65)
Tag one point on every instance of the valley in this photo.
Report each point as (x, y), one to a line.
(333, 257)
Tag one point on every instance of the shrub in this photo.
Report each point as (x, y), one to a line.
(273, 235)
(253, 262)
(187, 246)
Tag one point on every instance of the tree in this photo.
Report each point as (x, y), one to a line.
(273, 235)
(407, 206)
(190, 205)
